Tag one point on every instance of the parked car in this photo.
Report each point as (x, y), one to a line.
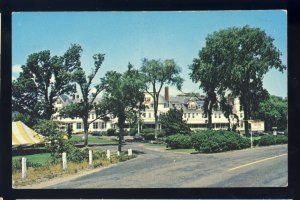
(96, 133)
(138, 138)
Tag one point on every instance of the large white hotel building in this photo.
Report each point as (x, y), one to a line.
(191, 106)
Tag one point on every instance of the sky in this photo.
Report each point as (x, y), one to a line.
(131, 36)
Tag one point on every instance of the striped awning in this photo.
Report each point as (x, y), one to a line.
(22, 135)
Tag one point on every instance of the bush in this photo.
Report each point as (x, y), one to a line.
(272, 140)
(148, 130)
(111, 132)
(179, 141)
(210, 141)
(17, 164)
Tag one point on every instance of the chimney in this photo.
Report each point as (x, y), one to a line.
(167, 93)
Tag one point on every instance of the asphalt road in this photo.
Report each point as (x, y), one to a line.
(153, 168)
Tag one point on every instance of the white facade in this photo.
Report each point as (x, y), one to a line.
(191, 106)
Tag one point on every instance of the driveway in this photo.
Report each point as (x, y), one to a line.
(154, 168)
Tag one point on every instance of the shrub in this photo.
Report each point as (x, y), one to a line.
(111, 132)
(148, 130)
(210, 141)
(17, 164)
(179, 141)
(272, 140)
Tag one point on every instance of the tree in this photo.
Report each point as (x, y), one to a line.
(42, 79)
(157, 73)
(173, 123)
(124, 94)
(82, 109)
(209, 73)
(242, 56)
(273, 112)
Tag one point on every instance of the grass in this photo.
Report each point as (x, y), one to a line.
(155, 145)
(46, 172)
(190, 151)
(41, 158)
(94, 140)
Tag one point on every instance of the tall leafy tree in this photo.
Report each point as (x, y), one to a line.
(124, 94)
(42, 79)
(242, 56)
(273, 112)
(82, 108)
(210, 74)
(173, 123)
(157, 73)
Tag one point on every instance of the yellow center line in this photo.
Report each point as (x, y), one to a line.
(255, 162)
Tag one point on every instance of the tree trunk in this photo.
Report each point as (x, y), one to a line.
(121, 135)
(209, 122)
(86, 129)
(246, 118)
(155, 116)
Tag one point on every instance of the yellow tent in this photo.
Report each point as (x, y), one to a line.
(22, 135)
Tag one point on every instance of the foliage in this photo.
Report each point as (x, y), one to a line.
(149, 134)
(179, 141)
(53, 138)
(111, 132)
(273, 111)
(273, 139)
(217, 141)
(82, 109)
(172, 122)
(42, 79)
(236, 60)
(156, 73)
(124, 93)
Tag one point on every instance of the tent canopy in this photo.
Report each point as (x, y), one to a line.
(22, 135)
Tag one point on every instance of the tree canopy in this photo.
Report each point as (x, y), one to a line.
(235, 61)
(42, 79)
(173, 123)
(273, 112)
(156, 74)
(124, 94)
(85, 83)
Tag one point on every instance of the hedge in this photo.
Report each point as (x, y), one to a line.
(210, 141)
(272, 140)
(179, 141)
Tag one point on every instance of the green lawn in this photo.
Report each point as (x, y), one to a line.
(190, 151)
(94, 140)
(155, 145)
(41, 158)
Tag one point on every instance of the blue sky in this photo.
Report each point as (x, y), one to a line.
(130, 36)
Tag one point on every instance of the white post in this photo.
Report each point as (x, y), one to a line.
(64, 159)
(118, 153)
(129, 152)
(90, 157)
(24, 168)
(108, 154)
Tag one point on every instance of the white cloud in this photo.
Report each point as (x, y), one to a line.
(16, 69)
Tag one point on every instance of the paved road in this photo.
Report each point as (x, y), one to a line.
(259, 167)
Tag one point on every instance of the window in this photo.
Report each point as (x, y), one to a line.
(193, 115)
(241, 115)
(93, 116)
(149, 115)
(95, 125)
(89, 116)
(189, 115)
(78, 125)
(184, 115)
(219, 115)
(215, 115)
